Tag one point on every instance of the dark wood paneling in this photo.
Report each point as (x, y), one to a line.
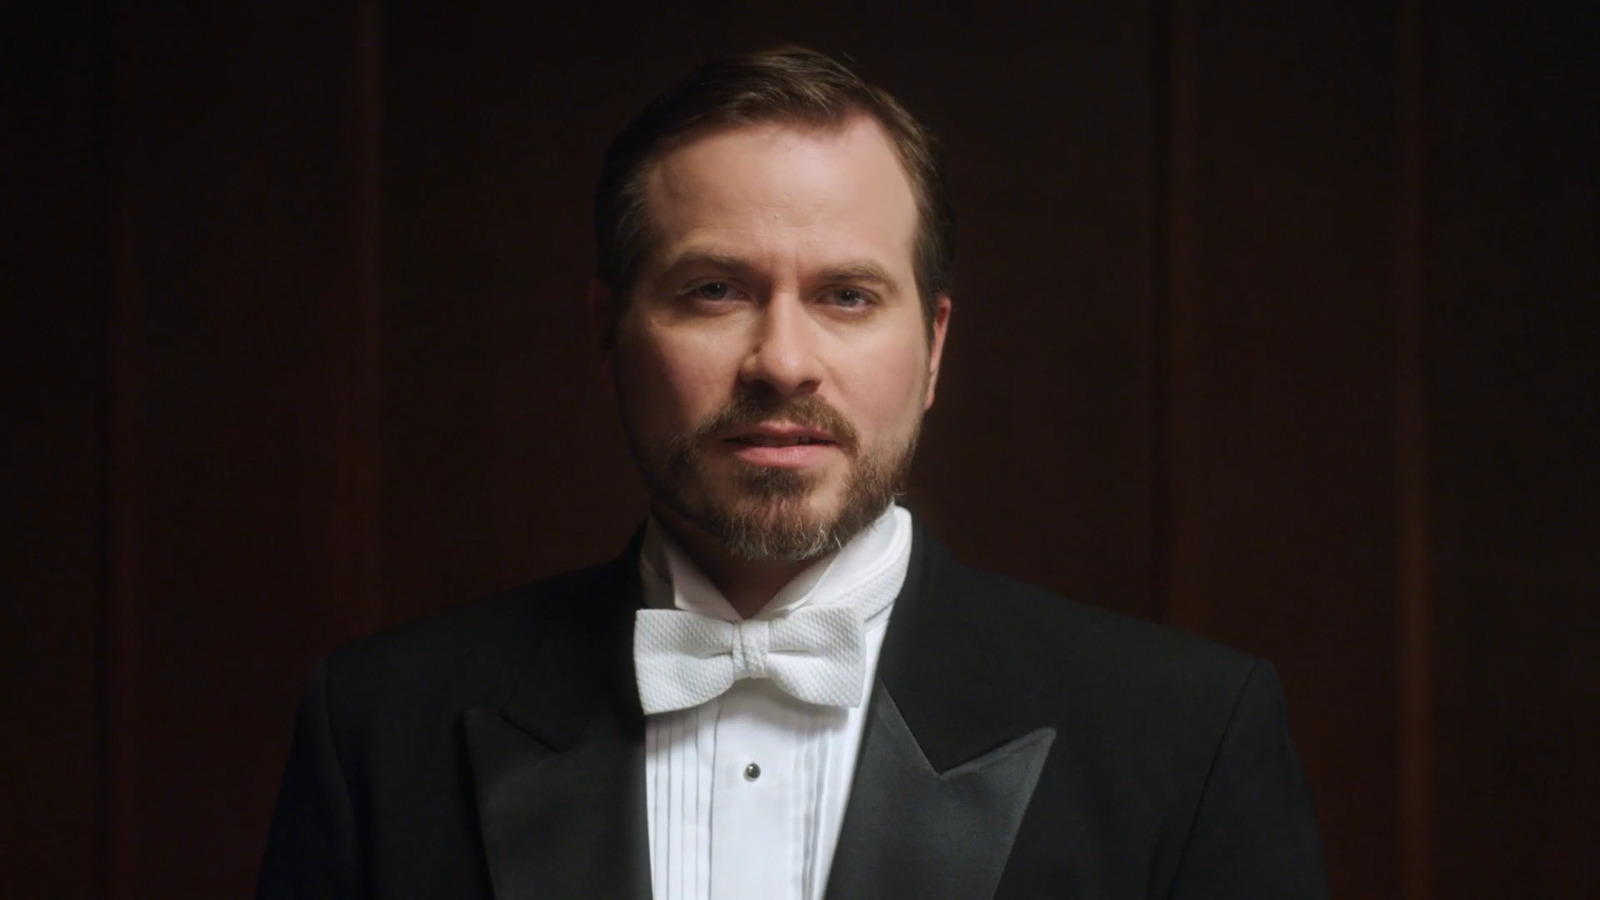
(502, 461)
(1280, 331)
(53, 269)
(1037, 460)
(242, 153)
(1514, 417)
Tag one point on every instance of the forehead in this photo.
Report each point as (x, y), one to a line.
(785, 186)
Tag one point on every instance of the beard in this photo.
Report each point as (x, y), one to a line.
(762, 512)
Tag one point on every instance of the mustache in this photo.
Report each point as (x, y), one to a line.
(748, 410)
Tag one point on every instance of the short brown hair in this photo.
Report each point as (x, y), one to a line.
(790, 84)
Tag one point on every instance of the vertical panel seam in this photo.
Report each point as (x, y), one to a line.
(1170, 264)
(1414, 663)
(109, 563)
(361, 439)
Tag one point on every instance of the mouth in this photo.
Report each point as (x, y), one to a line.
(781, 446)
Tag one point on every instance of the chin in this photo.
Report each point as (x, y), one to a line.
(772, 528)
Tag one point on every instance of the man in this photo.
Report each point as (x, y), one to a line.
(784, 688)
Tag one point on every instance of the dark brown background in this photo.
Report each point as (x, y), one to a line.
(1279, 322)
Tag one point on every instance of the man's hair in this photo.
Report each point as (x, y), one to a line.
(787, 85)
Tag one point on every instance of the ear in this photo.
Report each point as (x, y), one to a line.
(941, 323)
(603, 321)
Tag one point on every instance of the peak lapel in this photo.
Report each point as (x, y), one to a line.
(933, 814)
(912, 831)
(559, 825)
(559, 772)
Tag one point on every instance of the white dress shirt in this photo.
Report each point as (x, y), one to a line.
(746, 793)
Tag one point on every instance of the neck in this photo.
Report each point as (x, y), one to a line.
(747, 584)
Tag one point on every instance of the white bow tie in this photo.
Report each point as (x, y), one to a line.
(683, 659)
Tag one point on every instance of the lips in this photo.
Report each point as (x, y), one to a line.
(783, 432)
(781, 446)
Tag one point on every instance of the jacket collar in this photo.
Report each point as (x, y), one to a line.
(937, 799)
(558, 772)
(946, 770)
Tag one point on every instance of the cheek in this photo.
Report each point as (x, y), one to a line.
(674, 383)
(890, 390)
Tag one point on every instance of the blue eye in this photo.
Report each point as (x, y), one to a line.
(850, 298)
(713, 290)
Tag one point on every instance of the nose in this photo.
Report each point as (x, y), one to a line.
(784, 350)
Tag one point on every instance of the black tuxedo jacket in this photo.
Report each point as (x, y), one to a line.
(1018, 745)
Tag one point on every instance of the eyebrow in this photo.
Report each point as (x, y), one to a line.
(861, 271)
(696, 259)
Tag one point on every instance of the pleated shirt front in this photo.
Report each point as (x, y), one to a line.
(746, 793)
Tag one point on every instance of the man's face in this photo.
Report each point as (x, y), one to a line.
(772, 362)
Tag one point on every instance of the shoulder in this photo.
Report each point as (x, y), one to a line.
(472, 654)
(1171, 755)
(998, 650)
(1026, 632)
(1040, 624)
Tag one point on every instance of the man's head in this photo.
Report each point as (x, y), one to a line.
(772, 279)
(791, 85)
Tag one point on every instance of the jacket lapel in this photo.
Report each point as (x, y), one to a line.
(558, 772)
(937, 800)
(938, 794)
(914, 831)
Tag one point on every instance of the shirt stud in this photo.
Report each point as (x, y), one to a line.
(752, 772)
